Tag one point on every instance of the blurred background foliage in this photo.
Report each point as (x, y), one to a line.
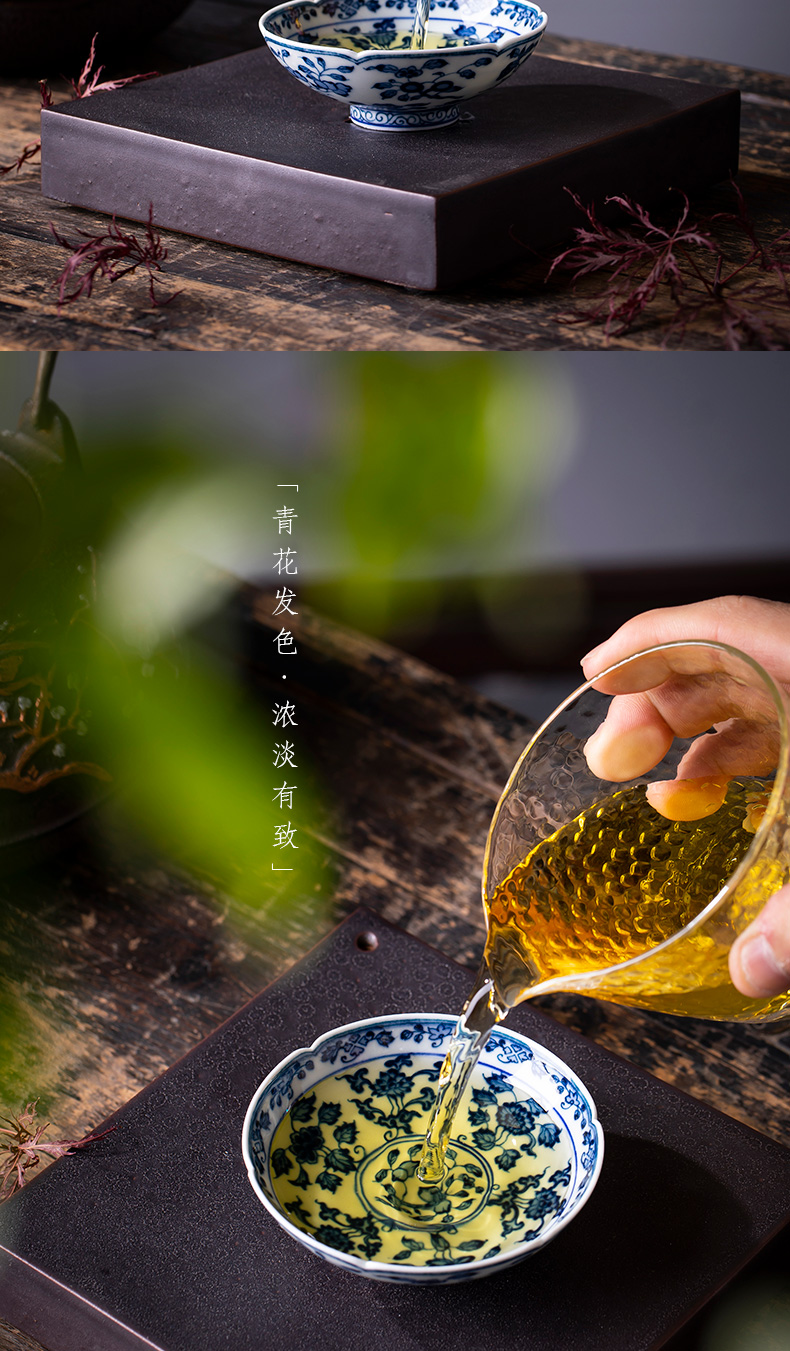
(432, 486)
(526, 492)
(415, 474)
(438, 464)
(415, 478)
(495, 513)
(418, 470)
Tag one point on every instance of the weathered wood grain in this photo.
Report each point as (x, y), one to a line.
(742, 1070)
(230, 299)
(759, 83)
(235, 300)
(115, 961)
(11, 1340)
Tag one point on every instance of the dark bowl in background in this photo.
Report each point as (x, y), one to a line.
(47, 38)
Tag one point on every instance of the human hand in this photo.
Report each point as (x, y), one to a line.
(657, 701)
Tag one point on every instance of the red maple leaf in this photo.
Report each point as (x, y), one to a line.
(23, 1147)
(88, 82)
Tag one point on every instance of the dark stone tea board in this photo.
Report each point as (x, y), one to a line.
(154, 1237)
(239, 151)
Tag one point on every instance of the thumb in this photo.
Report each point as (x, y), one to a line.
(760, 956)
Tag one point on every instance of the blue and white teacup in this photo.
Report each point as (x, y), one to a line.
(359, 52)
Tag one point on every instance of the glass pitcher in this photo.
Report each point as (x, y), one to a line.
(632, 891)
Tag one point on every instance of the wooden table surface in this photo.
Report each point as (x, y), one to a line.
(235, 299)
(115, 962)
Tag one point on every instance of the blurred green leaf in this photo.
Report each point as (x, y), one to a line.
(192, 758)
(441, 465)
(179, 553)
(22, 1054)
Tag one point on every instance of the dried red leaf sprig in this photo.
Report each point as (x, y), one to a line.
(111, 255)
(27, 153)
(88, 82)
(21, 1147)
(747, 298)
(638, 261)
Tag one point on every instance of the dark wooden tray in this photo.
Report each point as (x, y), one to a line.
(154, 1237)
(239, 151)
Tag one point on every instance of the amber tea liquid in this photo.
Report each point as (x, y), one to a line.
(609, 885)
(614, 883)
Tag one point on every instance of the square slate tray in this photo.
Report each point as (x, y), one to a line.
(154, 1237)
(240, 151)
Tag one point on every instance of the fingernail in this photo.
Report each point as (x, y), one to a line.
(589, 751)
(761, 966)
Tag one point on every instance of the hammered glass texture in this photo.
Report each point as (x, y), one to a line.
(552, 784)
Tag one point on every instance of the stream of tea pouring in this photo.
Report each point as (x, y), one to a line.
(465, 10)
(480, 1016)
(420, 23)
(632, 893)
(609, 885)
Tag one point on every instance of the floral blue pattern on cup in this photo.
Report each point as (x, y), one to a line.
(359, 52)
(525, 1156)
